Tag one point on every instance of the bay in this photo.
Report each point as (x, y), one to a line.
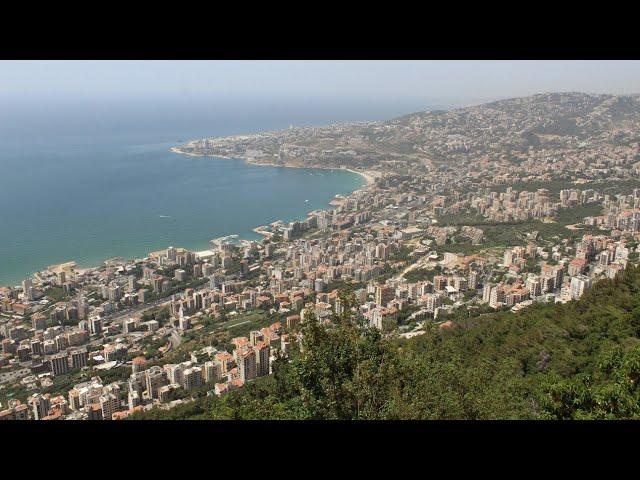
(93, 181)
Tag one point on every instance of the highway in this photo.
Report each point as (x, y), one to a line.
(119, 316)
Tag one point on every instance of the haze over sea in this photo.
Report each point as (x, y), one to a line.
(92, 180)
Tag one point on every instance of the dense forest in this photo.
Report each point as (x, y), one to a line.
(580, 360)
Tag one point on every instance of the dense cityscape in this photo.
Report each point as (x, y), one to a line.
(498, 207)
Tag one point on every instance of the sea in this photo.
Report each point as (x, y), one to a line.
(91, 179)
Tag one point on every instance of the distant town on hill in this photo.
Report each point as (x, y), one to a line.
(540, 134)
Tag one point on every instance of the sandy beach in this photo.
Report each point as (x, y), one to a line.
(366, 175)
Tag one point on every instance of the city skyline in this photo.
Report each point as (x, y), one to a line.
(487, 260)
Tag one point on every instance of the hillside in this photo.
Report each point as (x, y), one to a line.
(578, 360)
(504, 131)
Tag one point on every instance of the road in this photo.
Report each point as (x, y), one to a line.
(118, 317)
(423, 262)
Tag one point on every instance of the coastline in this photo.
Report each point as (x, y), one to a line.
(369, 178)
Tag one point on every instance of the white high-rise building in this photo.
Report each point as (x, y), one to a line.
(212, 372)
(39, 405)
(109, 404)
(192, 378)
(27, 287)
(579, 284)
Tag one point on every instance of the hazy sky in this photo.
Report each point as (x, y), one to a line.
(432, 81)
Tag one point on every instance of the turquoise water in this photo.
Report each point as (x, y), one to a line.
(128, 201)
(88, 184)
